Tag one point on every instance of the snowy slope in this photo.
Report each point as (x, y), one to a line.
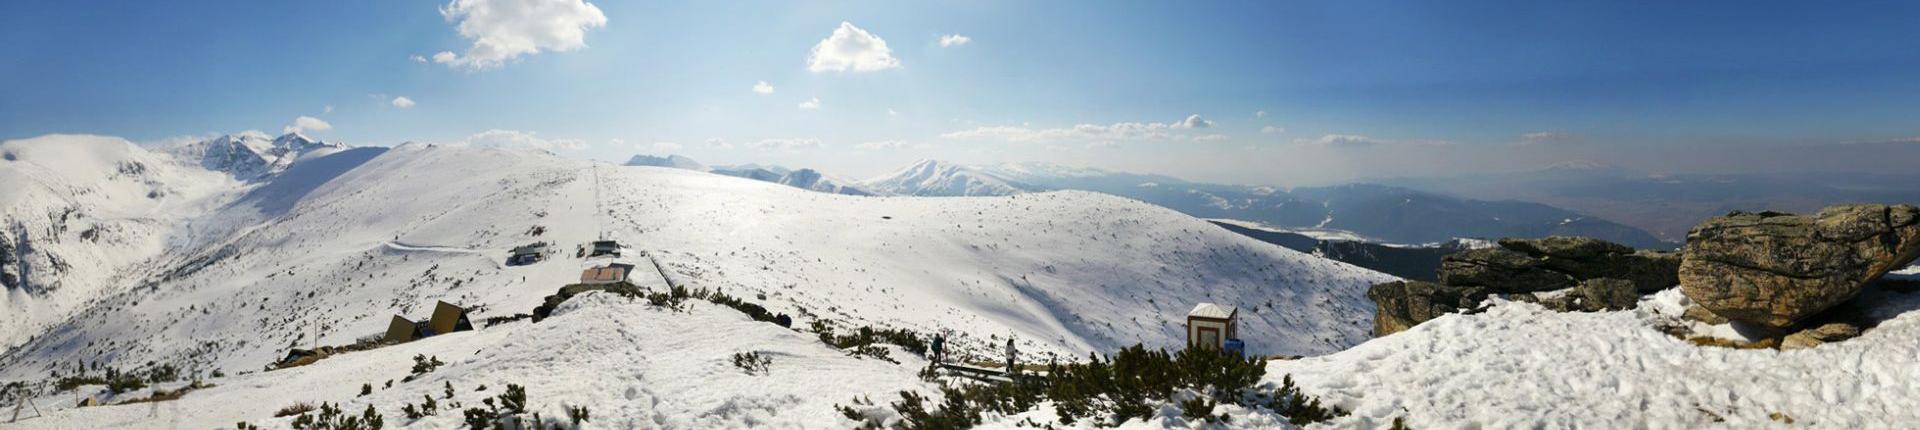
(338, 244)
(76, 212)
(1519, 365)
(631, 365)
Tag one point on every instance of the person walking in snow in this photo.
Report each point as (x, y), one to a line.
(1013, 355)
(939, 348)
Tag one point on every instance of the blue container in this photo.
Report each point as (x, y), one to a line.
(1236, 347)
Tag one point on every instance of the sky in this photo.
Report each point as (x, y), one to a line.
(1249, 92)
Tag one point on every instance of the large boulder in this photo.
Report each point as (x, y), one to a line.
(1776, 269)
(1403, 304)
(1607, 294)
(1528, 265)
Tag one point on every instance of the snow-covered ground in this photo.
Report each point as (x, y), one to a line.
(1518, 365)
(632, 365)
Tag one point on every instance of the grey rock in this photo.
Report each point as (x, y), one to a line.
(1777, 269)
(1825, 333)
(1607, 294)
(1403, 304)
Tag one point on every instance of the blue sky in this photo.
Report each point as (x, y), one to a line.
(1349, 90)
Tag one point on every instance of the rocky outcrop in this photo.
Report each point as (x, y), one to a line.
(1527, 265)
(1601, 275)
(1501, 270)
(1825, 333)
(1403, 304)
(1607, 294)
(1776, 269)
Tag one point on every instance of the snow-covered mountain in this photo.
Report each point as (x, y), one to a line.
(935, 178)
(78, 213)
(336, 244)
(250, 155)
(806, 179)
(1386, 213)
(673, 161)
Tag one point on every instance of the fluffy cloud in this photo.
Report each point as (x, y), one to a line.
(502, 30)
(511, 139)
(1272, 130)
(1545, 137)
(1193, 121)
(954, 40)
(1341, 141)
(305, 124)
(784, 144)
(402, 102)
(417, 58)
(762, 87)
(882, 145)
(811, 104)
(1096, 132)
(850, 48)
(1260, 114)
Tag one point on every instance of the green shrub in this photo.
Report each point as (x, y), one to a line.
(1109, 390)
(752, 362)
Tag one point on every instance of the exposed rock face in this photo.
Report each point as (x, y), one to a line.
(1776, 269)
(1402, 304)
(1831, 332)
(9, 266)
(1607, 294)
(1502, 270)
(1527, 265)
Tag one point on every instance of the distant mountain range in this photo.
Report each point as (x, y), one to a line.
(808, 179)
(1669, 205)
(1373, 213)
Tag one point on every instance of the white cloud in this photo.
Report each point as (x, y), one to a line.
(762, 87)
(618, 142)
(1210, 138)
(667, 147)
(891, 112)
(850, 48)
(1099, 132)
(1340, 141)
(784, 144)
(502, 30)
(1272, 130)
(419, 59)
(954, 40)
(327, 109)
(1545, 137)
(305, 124)
(882, 145)
(811, 104)
(1260, 114)
(511, 139)
(402, 102)
(1193, 121)
(718, 143)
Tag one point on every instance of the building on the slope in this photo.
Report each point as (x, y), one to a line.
(604, 247)
(1214, 326)
(609, 274)
(447, 318)
(527, 254)
(402, 330)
